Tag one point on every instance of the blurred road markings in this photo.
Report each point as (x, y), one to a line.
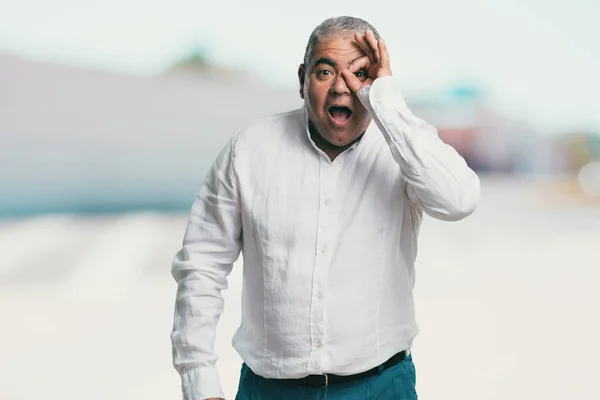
(114, 261)
(20, 242)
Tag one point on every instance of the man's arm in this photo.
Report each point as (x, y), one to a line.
(438, 178)
(212, 243)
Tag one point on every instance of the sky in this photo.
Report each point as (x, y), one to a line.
(535, 60)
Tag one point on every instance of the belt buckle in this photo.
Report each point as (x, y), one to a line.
(326, 381)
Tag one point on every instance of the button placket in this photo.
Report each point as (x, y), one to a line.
(318, 327)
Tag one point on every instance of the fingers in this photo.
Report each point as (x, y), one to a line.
(360, 63)
(368, 43)
(360, 39)
(352, 81)
(373, 42)
(383, 54)
(375, 62)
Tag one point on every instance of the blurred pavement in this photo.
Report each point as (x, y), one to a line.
(507, 302)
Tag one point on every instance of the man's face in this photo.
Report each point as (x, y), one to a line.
(333, 109)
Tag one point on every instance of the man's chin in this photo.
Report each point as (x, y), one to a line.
(338, 140)
(336, 136)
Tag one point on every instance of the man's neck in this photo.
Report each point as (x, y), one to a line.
(331, 150)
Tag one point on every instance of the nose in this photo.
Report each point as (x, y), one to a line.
(339, 87)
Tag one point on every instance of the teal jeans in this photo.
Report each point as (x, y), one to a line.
(395, 383)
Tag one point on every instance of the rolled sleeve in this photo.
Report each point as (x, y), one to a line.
(438, 179)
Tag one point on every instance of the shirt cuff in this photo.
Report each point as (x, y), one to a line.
(201, 383)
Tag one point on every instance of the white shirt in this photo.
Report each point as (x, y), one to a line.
(328, 247)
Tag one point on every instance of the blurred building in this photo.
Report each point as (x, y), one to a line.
(577, 149)
(76, 140)
(488, 141)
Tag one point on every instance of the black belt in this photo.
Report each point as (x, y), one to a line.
(324, 380)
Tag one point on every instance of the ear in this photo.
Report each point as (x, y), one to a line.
(301, 75)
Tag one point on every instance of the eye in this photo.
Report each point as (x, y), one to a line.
(360, 73)
(324, 72)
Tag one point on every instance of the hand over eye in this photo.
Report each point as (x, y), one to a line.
(374, 64)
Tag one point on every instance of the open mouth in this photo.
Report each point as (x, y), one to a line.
(340, 114)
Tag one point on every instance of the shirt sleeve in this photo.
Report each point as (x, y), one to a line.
(438, 178)
(211, 244)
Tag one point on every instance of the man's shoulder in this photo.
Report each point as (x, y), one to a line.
(278, 117)
(270, 127)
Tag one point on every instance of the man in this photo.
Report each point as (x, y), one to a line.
(325, 202)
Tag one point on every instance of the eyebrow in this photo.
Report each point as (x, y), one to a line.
(325, 60)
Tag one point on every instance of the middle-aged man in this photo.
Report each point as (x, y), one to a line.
(325, 202)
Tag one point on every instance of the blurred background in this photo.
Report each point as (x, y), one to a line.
(111, 113)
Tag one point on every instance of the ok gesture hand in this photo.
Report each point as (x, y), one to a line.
(375, 64)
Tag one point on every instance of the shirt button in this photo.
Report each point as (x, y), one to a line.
(327, 201)
(319, 343)
(323, 249)
(320, 295)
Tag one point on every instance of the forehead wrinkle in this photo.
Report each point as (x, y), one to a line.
(338, 45)
(342, 51)
(322, 53)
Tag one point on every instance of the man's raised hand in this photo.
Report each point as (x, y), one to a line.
(375, 64)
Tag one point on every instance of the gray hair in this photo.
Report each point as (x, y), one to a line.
(335, 27)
